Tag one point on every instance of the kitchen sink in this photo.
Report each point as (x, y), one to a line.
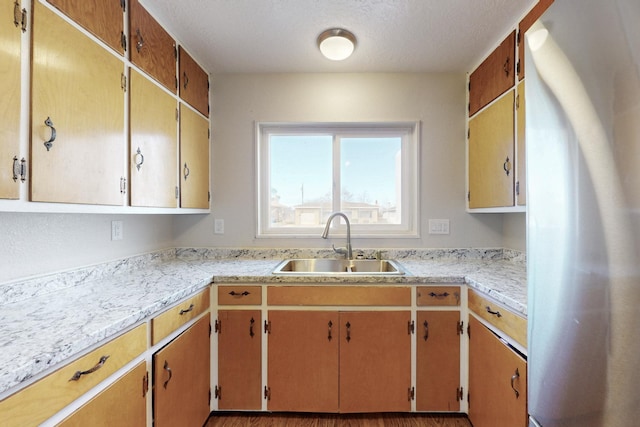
(321, 266)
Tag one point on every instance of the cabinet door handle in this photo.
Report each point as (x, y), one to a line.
(426, 330)
(495, 313)
(506, 67)
(187, 310)
(251, 323)
(140, 41)
(348, 325)
(185, 78)
(507, 166)
(98, 365)
(168, 369)
(49, 143)
(138, 159)
(330, 324)
(515, 376)
(185, 171)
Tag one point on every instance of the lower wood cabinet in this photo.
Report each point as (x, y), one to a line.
(181, 378)
(497, 380)
(239, 360)
(328, 361)
(438, 335)
(123, 403)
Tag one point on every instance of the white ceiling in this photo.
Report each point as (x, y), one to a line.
(264, 36)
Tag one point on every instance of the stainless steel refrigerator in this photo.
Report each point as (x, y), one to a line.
(583, 217)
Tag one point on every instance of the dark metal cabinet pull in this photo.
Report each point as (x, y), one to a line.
(186, 171)
(515, 376)
(237, 294)
(187, 310)
(49, 143)
(168, 369)
(426, 330)
(330, 324)
(140, 42)
(495, 313)
(98, 365)
(185, 78)
(251, 323)
(507, 166)
(348, 325)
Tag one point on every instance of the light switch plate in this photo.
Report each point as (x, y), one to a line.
(218, 226)
(438, 226)
(117, 230)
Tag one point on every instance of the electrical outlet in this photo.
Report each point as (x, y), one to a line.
(438, 226)
(117, 230)
(218, 226)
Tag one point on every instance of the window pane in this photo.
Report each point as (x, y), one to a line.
(300, 179)
(370, 176)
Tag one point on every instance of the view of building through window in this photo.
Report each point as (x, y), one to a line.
(305, 171)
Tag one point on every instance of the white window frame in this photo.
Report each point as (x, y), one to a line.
(410, 158)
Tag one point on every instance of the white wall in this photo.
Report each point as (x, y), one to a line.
(36, 243)
(437, 100)
(514, 231)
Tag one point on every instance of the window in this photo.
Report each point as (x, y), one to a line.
(367, 171)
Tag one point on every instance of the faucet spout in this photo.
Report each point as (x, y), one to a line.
(325, 234)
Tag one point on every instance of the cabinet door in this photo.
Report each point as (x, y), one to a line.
(521, 171)
(77, 97)
(121, 404)
(497, 380)
(524, 25)
(491, 154)
(194, 159)
(494, 76)
(438, 361)
(239, 359)
(154, 144)
(303, 361)
(375, 361)
(10, 35)
(181, 379)
(104, 19)
(194, 83)
(152, 48)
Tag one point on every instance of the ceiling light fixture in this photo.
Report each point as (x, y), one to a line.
(336, 44)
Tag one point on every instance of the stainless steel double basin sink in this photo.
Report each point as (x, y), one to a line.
(329, 267)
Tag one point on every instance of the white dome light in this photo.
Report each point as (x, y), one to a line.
(336, 44)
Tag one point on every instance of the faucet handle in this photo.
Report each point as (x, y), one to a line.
(341, 251)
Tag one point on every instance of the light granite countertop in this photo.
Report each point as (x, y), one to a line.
(48, 319)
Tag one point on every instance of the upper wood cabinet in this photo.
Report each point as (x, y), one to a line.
(78, 136)
(494, 76)
(104, 19)
(194, 83)
(152, 48)
(524, 25)
(491, 155)
(194, 159)
(153, 155)
(10, 159)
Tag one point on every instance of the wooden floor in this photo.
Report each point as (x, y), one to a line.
(259, 419)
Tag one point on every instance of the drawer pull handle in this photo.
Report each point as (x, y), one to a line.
(98, 365)
(496, 313)
(426, 330)
(168, 369)
(183, 311)
(513, 378)
(238, 294)
(442, 295)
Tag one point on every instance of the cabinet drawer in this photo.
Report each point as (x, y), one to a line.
(181, 313)
(438, 295)
(239, 295)
(122, 404)
(339, 295)
(44, 398)
(511, 324)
